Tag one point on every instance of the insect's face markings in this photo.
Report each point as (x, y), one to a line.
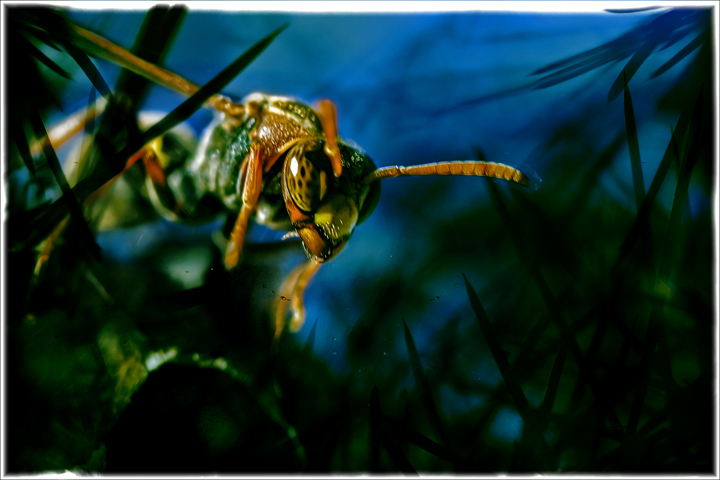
(306, 183)
(321, 212)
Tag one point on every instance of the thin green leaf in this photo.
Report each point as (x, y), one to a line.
(607, 462)
(423, 384)
(58, 26)
(634, 147)
(659, 178)
(552, 388)
(687, 50)
(630, 69)
(193, 103)
(692, 152)
(19, 138)
(396, 454)
(577, 69)
(72, 203)
(666, 263)
(42, 58)
(641, 384)
(41, 35)
(422, 441)
(549, 301)
(509, 377)
(159, 28)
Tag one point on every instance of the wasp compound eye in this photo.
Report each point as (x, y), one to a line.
(306, 184)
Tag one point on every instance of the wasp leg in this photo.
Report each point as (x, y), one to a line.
(328, 120)
(292, 291)
(47, 249)
(145, 154)
(251, 194)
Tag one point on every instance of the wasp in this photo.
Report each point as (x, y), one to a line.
(278, 161)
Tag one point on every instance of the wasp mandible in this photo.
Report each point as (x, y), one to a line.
(275, 159)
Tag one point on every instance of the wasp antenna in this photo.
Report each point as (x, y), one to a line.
(94, 44)
(464, 167)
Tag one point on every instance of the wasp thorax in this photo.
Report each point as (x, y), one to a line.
(306, 184)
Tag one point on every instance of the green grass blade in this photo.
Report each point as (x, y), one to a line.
(630, 69)
(644, 212)
(642, 384)
(634, 147)
(42, 58)
(654, 331)
(422, 441)
(423, 384)
(396, 455)
(19, 138)
(194, 102)
(549, 300)
(552, 388)
(692, 152)
(75, 210)
(58, 27)
(155, 38)
(687, 50)
(509, 377)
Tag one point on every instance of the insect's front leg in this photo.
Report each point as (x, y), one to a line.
(293, 290)
(250, 196)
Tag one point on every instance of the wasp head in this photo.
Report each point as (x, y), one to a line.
(323, 208)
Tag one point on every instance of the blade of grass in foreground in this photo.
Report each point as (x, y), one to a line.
(422, 441)
(508, 376)
(687, 50)
(531, 453)
(424, 385)
(658, 180)
(379, 436)
(72, 203)
(42, 58)
(630, 69)
(549, 300)
(551, 390)
(634, 147)
(192, 104)
(59, 29)
(396, 455)
(654, 331)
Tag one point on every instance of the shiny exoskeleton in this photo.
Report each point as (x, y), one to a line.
(272, 162)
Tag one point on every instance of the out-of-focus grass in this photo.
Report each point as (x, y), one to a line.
(584, 346)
